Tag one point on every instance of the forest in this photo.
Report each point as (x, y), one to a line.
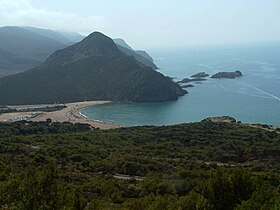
(203, 165)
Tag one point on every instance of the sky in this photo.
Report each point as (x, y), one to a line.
(153, 24)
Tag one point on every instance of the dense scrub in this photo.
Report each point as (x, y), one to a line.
(4, 109)
(189, 166)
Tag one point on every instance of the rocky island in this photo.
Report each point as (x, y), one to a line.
(227, 75)
(187, 80)
(200, 75)
(186, 86)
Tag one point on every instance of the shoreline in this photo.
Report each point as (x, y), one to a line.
(71, 113)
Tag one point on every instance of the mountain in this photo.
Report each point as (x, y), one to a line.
(27, 44)
(25, 47)
(93, 69)
(49, 34)
(11, 63)
(140, 55)
(73, 37)
(145, 54)
(122, 43)
(22, 49)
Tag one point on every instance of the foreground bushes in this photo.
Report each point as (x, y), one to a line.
(65, 166)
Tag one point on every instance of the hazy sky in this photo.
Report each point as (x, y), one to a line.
(153, 23)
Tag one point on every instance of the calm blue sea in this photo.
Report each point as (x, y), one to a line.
(254, 98)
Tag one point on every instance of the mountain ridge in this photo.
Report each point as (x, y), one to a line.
(17, 40)
(120, 42)
(138, 57)
(48, 33)
(29, 47)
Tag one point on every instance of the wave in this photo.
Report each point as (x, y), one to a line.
(264, 92)
(204, 65)
(276, 78)
(244, 93)
(80, 113)
(255, 62)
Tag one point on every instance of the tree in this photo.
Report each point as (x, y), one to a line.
(225, 190)
(39, 189)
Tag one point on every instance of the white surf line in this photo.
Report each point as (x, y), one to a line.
(204, 65)
(226, 89)
(98, 121)
(258, 96)
(264, 92)
(80, 113)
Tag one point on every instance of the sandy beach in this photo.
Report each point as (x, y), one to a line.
(69, 114)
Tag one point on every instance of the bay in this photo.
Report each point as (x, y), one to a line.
(253, 98)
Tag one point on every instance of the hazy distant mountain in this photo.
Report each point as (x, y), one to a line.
(93, 69)
(49, 34)
(122, 43)
(27, 44)
(74, 37)
(60, 36)
(22, 49)
(13, 64)
(140, 55)
(145, 54)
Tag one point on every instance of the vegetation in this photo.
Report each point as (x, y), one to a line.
(42, 109)
(202, 165)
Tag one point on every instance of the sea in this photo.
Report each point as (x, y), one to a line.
(253, 98)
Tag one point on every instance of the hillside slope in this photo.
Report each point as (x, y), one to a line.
(202, 165)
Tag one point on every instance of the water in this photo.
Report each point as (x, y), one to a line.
(254, 98)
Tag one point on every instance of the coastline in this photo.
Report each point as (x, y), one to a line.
(71, 113)
(228, 119)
